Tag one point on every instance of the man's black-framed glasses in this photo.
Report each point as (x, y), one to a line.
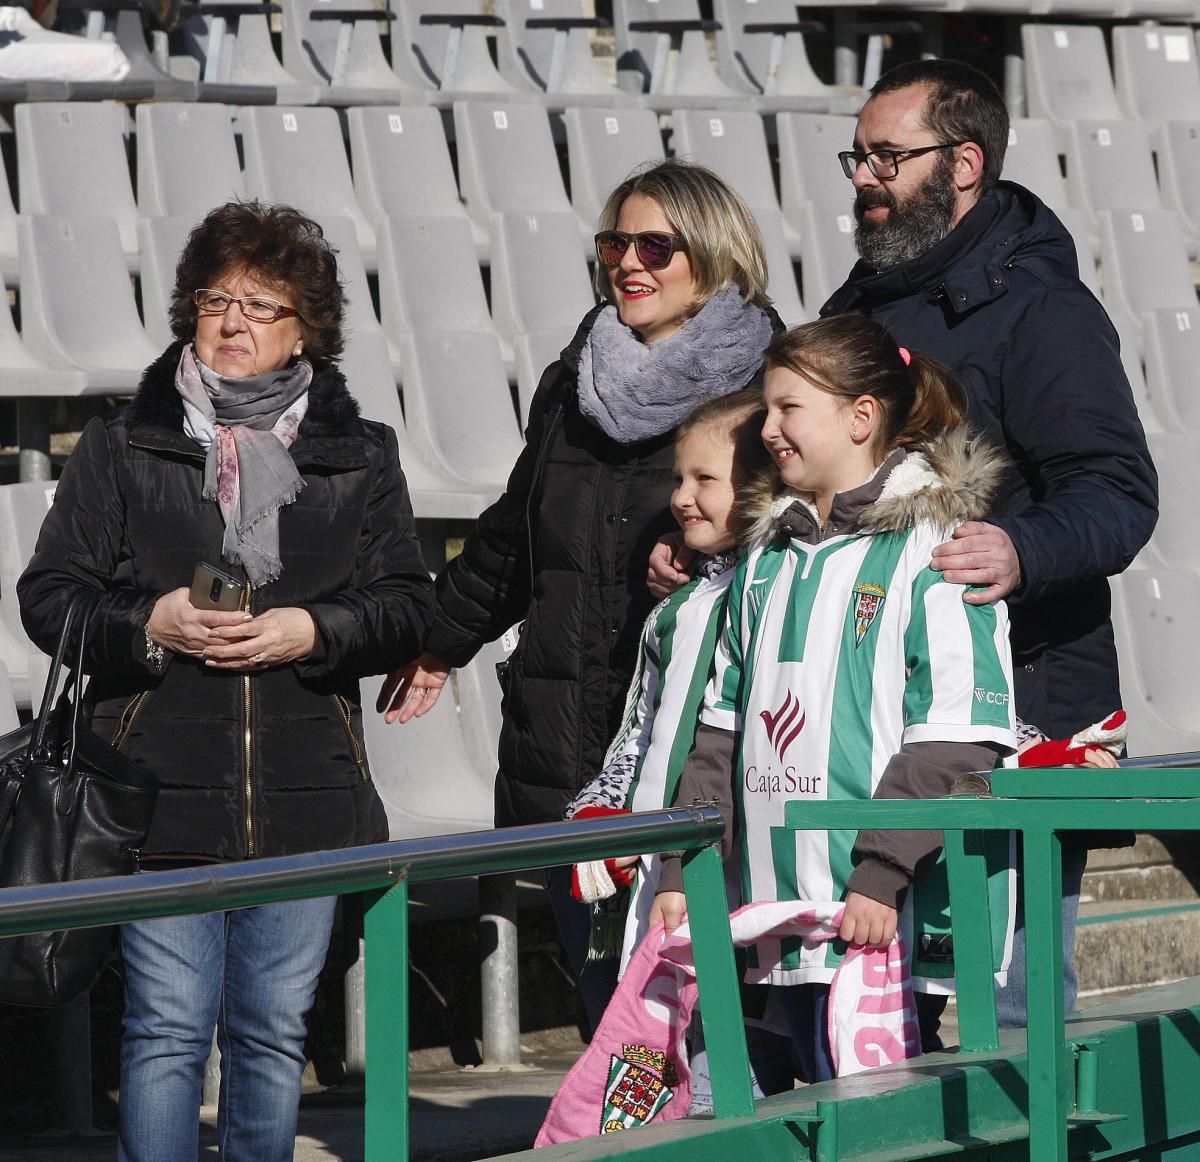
(885, 163)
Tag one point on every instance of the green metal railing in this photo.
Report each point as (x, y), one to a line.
(1041, 805)
(384, 871)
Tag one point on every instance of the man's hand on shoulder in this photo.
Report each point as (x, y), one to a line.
(979, 554)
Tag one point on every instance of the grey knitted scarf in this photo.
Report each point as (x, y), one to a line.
(634, 391)
(246, 427)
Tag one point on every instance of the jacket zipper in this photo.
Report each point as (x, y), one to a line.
(132, 709)
(344, 710)
(248, 746)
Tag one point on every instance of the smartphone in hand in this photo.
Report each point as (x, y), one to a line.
(213, 588)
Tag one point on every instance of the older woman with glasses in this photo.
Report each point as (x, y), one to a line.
(685, 318)
(243, 452)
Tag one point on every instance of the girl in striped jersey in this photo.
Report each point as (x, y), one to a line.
(848, 668)
(718, 451)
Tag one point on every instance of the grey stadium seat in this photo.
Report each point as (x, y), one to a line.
(1067, 74)
(1158, 641)
(662, 55)
(24, 374)
(187, 159)
(162, 241)
(335, 44)
(544, 45)
(1155, 72)
(1174, 544)
(1145, 262)
(1178, 153)
(228, 43)
(71, 161)
(1110, 166)
(402, 165)
(297, 156)
(533, 352)
(507, 161)
(9, 261)
(23, 507)
(425, 771)
(442, 47)
(78, 309)
(604, 146)
(1172, 339)
(1031, 160)
(817, 199)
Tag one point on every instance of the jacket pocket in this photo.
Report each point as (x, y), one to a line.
(128, 717)
(356, 748)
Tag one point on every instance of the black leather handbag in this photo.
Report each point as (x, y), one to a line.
(72, 807)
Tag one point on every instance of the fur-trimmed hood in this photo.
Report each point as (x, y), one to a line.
(951, 480)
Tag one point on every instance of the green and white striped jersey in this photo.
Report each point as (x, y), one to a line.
(834, 655)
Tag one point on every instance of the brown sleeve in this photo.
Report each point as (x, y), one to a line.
(887, 860)
(707, 777)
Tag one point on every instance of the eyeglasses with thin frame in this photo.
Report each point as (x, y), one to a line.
(655, 248)
(885, 163)
(257, 308)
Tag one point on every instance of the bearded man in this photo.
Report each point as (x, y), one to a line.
(981, 274)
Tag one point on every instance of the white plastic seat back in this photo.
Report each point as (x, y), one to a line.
(809, 169)
(1155, 72)
(1173, 365)
(162, 241)
(1145, 262)
(1158, 640)
(644, 62)
(77, 305)
(554, 61)
(71, 162)
(1110, 166)
(187, 159)
(23, 507)
(604, 146)
(424, 771)
(1174, 543)
(1031, 160)
(1178, 153)
(297, 156)
(773, 62)
(448, 58)
(540, 279)
(534, 351)
(506, 160)
(1067, 74)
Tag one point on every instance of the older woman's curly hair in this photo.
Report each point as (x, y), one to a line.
(279, 247)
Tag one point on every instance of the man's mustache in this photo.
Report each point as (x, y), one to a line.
(868, 199)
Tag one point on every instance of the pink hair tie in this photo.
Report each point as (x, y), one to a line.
(906, 355)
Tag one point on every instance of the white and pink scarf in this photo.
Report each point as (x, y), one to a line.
(636, 1069)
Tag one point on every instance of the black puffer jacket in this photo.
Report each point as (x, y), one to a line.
(999, 300)
(566, 549)
(269, 763)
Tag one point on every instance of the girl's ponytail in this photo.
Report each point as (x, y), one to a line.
(939, 403)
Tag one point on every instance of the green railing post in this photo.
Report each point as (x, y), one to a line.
(716, 974)
(966, 869)
(386, 950)
(1049, 1065)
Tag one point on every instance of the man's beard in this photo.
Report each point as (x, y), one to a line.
(913, 226)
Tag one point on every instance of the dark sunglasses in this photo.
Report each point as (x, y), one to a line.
(654, 248)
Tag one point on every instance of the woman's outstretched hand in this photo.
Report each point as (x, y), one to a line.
(412, 690)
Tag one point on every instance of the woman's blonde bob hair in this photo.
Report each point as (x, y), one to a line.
(720, 235)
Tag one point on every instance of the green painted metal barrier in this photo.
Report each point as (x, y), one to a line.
(1040, 804)
(384, 871)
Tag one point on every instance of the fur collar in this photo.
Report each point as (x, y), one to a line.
(951, 480)
(332, 410)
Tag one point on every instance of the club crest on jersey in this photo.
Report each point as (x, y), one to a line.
(639, 1085)
(868, 601)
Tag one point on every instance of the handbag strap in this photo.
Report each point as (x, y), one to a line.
(38, 745)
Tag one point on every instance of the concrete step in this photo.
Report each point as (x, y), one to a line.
(1127, 944)
(1157, 867)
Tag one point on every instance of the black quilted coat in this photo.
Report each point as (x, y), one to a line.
(262, 764)
(565, 549)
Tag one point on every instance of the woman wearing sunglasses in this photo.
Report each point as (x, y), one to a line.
(685, 318)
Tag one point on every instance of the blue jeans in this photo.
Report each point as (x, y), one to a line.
(1011, 1001)
(251, 974)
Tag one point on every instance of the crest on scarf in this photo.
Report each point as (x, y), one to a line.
(868, 601)
(639, 1085)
